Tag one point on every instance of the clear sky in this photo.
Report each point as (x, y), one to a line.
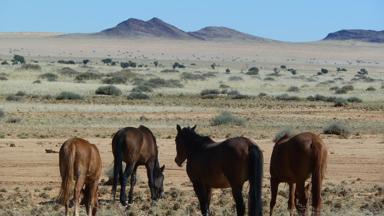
(287, 20)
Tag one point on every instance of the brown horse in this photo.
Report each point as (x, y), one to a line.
(79, 161)
(293, 161)
(136, 146)
(221, 165)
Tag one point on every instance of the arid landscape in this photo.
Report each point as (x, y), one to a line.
(54, 86)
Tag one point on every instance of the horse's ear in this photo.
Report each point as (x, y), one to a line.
(162, 168)
(193, 128)
(178, 128)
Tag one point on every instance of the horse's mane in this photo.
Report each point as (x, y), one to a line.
(194, 140)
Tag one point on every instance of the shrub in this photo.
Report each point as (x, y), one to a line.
(177, 65)
(13, 120)
(227, 118)
(169, 71)
(116, 79)
(4, 63)
(18, 59)
(30, 67)
(269, 79)
(36, 82)
(3, 78)
(88, 76)
(13, 98)
(324, 71)
(363, 71)
(128, 64)
(348, 87)
(293, 71)
(159, 83)
(209, 93)
(108, 90)
(235, 78)
(337, 128)
(283, 67)
(354, 100)
(192, 76)
(340, 102)
(224, 86)
(293, 89)
(2, 113)
(21, 93)
(334, 88)
(137, 96)
(65, 95)
(253, 71)
(286, 97)
(49, 76)
(67, 71)
(370, 89)
(341, 91)
(213, 66)
(85, 61)
(107, 61)
(66, 62)
(142, 88)
(340, 69)
(156, 63)
(227, 71)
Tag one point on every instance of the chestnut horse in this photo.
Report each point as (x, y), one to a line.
(79, 161)
(293, 161)
(221, 165)
(136, 146)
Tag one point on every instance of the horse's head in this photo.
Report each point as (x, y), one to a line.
(158, 181)
(181, 142)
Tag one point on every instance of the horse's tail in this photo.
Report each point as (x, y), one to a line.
(320, 164)
(117, 143)
(66, 162)
(255, 203)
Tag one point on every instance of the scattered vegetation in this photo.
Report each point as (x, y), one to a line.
(67, 71)
(235, 78)
(138, 96)
(65, 95)
(370, 88)
(337, 128)
(49, 76)
(227, 118)
(66, 62)
(18, 59)
(253, 71)
(30, 67)
(293, 89)
(13, 98)
(177, 65)
(286, 97)
(108, 90)
(88, 76)
(2, 113)
(169, 71)
(192, 76)
(340, 102)
(128, 64)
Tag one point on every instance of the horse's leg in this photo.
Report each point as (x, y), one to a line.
(116, 180)
(203, 194)
(66, 208)
(237, 193)
(291, 201)
(274, 188)
(301, 206)
(127, 172)
(151, 181)
(90, 196)
(133, 182)
(78, 187)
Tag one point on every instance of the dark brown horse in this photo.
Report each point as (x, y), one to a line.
(221, 165)
(136, 146)
(80, 163)
(293, 161)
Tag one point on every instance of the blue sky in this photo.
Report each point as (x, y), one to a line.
(288, 20)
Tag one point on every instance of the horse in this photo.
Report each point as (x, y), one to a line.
(294, 159)
(79, 161)
(224, 164)
(136, 146)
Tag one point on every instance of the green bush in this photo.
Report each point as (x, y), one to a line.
(286, 97)
(65, 95)
(49, 76)
(67, 71)
(66, 62)
(177, 65)
(128, 64)
(293, 89)
(354, 100)
(30, 67)
(21, 93)
(227, 71)
(137, 96)
(253, 71)
(340, 102)
(169, 71)
(88, 76)
(4, 62)
(337, 128)
(142, 88)
(235, 78)
(108, 90)
(107, 61)
(370, 89)
(18, 59)
(192, 76)
(227, 118)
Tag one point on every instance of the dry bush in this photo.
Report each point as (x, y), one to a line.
(108, 90)
(337, 128)
(227, 118)
(65, 95)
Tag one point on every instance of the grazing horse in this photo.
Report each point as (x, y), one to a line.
(136, 146)
(79, 161)
(293, 161)
(221, 165)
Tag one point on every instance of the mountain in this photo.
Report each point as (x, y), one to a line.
(156, 28)
(136, 28)
(222, 33)
(358, 35)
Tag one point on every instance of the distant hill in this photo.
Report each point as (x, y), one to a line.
(222, 33)
(358, 35)
(156, 28)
